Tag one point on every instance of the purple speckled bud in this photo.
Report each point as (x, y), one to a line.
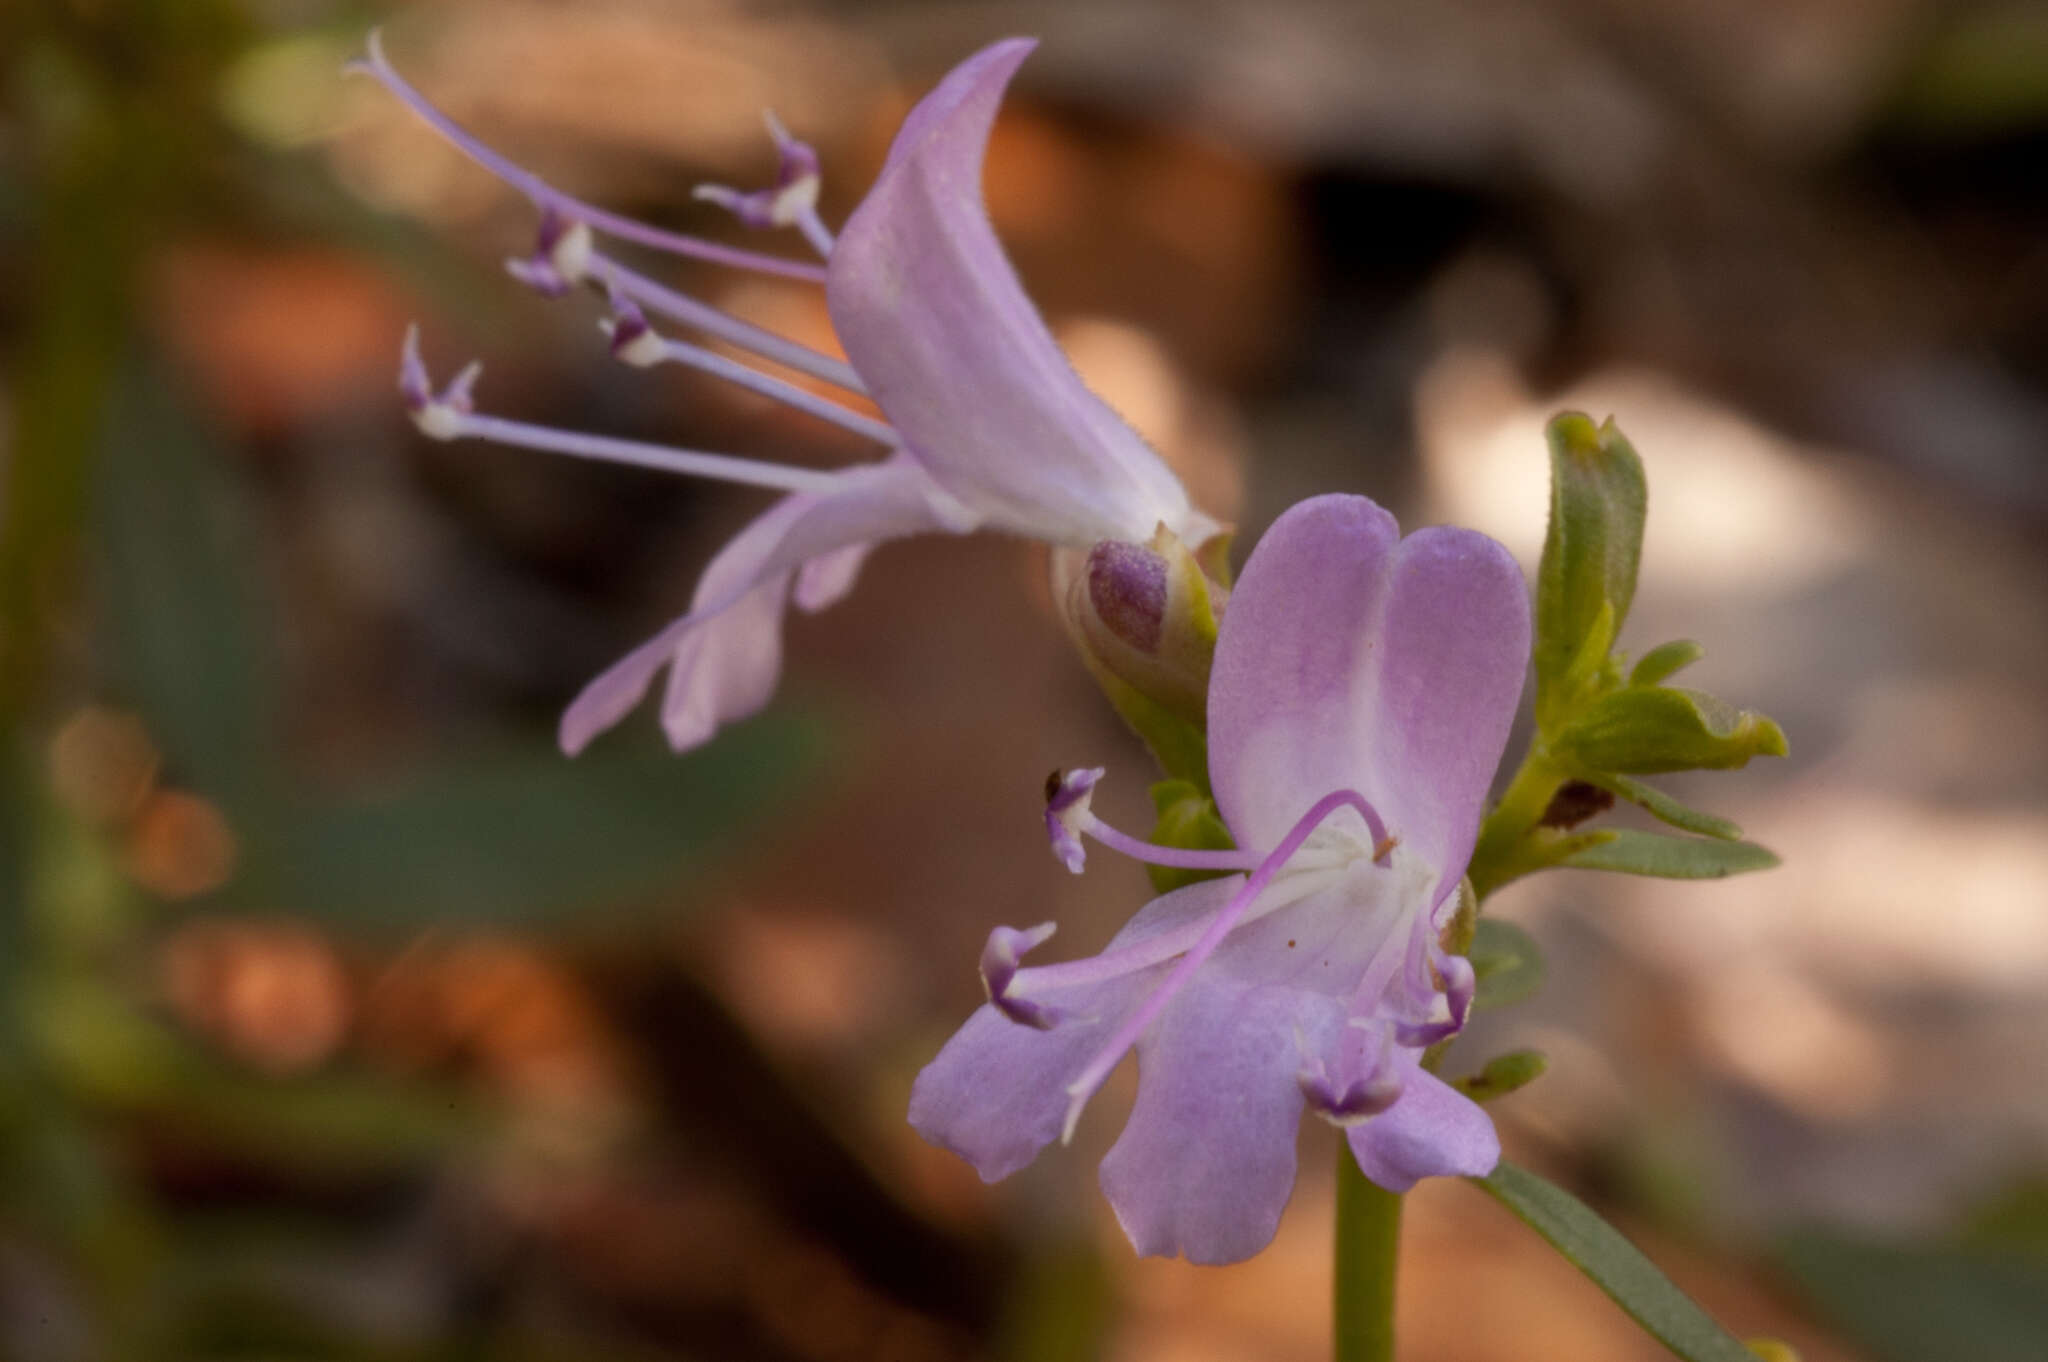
(1144, 616)
(999, 958)
(1127, 587)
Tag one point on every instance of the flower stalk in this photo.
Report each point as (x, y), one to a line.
(1367, 1254)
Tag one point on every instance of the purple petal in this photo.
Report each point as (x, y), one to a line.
(1455, 648)
(1346, 659)
(1285, 722)
(935, 322)
(1432, 1131)
(1206, 1164)
(726, 667)
(825, 580)
(997, 1093)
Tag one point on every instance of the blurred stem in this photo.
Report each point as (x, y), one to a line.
(1504, 851)
(1368, 1248)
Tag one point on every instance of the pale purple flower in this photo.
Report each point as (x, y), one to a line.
(1361, 696)
(987, 425)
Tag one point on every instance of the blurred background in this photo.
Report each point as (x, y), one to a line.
(343, 1018)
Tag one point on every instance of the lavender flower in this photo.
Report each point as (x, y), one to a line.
(1361, 695)
(988, 426)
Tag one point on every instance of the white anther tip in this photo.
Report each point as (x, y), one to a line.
(438, 421)
(643, 351)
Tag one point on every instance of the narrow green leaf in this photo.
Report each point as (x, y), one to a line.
(1665, 809)
(1597, 502)
(1670, 858)
(1616, 1266)
(1642, 730)
(1504, 1074)
(1506, 962)
(1665, 660)
(537, 839)
(184, 632)
(1923, 1303)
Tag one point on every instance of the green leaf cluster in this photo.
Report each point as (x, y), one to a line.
(1600, 722)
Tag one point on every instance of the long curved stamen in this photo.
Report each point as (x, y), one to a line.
(1153, 854)
(1069, 817)
(545, 196)
(1164, 946)
(449, 416)
(1220, 926)
(638, 344)
(681, 307)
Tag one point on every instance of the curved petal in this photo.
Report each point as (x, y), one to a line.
(997, 1093)
(1433, 1130)
(936, 324)
(1285, 723)
(727, 667)
(1455, 649)
(1206, 1164)
(1347, 658)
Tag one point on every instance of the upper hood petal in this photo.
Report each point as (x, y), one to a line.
(1351, 658)
(936, 324)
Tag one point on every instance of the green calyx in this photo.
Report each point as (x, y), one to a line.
(1144, 617)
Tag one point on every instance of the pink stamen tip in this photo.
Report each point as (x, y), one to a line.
(999, 960)
(1067, 815)
(548, 199)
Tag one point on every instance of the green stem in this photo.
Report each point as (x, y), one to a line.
(1368, 1245)
(1502, 852)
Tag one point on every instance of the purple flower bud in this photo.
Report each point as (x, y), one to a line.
(1127, 587)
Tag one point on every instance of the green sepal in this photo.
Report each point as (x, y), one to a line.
(1506, 964)
(1616, 1266)
(1665, 809)
(1597, 502)
(1158, 683)
(1665, 661)
(1188, 820)
(1213, 555)
(1181, 748)
(1670, 858)
(1464, 923)
(1642, 730)
(1503, 1074)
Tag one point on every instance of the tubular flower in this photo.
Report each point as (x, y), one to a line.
(986, 423)
(1360, 699)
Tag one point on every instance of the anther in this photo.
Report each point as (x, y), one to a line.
(1067, 813)
(634, 341)
(561, 259)
(999, 959)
